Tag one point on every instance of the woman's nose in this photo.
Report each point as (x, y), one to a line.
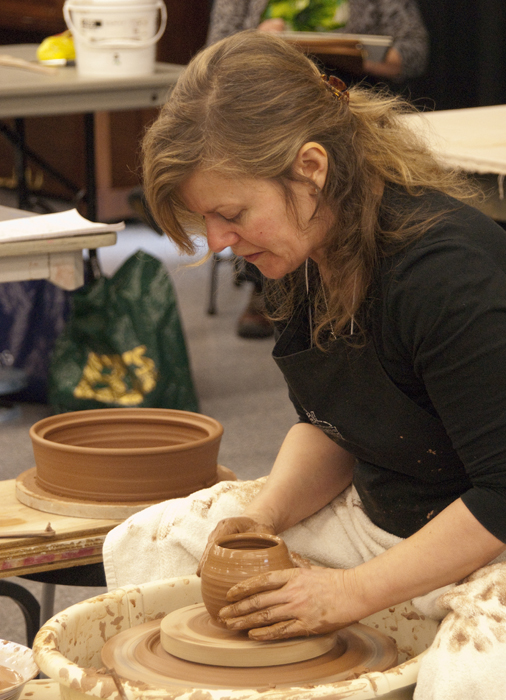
(220, 235)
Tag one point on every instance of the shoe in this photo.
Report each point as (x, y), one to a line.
(253, 322)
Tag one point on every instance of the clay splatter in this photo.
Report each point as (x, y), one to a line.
(411, 615)
(102, 626)
(201, 695)
(459, 639)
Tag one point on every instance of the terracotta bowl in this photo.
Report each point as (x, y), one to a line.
(234, 558)
(126, 454)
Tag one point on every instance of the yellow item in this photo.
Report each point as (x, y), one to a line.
(57, 48)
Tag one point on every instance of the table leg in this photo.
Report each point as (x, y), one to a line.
(91, 185)
(89, 149)
(20, 165)
(23, 152)
(28, 604)
(47, 602)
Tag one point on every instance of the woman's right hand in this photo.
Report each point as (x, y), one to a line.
(231, 526)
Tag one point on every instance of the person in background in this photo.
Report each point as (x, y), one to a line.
(401, 19)
(407, 58)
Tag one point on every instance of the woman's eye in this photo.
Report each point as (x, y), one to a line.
(232, 219)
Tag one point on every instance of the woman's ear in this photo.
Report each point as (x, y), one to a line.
(312, 162)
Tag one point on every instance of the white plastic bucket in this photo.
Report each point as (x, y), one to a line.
(115, 38)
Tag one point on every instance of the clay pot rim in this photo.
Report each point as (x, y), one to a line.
(143, 415)
(277, 541)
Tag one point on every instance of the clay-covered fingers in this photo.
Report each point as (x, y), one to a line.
(259, 610)
(232, 526)
(289, 603)
(281, 630)
(269, 581)
(257, 601)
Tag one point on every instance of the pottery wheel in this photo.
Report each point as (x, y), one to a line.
(190, 633)
(137, 655)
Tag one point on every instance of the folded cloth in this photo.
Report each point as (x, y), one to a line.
(167, 539)
(468, 656)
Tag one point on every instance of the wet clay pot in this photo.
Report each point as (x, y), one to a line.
(126, 454)
(234, 558)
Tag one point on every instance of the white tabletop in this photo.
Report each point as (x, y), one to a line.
(473, 140)
(59, 260)
(24, 93)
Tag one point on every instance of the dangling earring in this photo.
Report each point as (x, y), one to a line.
(310, 312)
(352, 325)
(322, 285)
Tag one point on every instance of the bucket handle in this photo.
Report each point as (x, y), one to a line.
(117, 43)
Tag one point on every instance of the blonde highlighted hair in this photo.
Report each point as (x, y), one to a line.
(244, 107)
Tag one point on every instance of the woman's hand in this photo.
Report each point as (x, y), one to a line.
(390, 68)
(231, 526)
(272, 25)
(291, 603)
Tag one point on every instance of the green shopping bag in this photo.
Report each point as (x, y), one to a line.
(123, 344)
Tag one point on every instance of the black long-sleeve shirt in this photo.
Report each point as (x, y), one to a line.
(438, 323)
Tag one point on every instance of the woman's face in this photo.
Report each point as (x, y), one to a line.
(251, 217)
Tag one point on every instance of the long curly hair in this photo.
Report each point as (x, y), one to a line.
(244, 107)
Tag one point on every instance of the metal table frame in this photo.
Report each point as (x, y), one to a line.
(28, 94)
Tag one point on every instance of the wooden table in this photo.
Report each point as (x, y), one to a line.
(59, 260)
(77, 541)
(345, 52)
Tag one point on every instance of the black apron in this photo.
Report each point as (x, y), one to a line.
(407, 470)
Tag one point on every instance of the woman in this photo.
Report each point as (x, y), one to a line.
(389, 297)
(407, 58)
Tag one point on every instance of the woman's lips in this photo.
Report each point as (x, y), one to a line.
(252, 258)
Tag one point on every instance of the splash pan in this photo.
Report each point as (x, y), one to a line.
(68, 649)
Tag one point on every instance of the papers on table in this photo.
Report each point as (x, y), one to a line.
(60, 225)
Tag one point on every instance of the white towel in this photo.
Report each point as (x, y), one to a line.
(167, 539)
(467, 659)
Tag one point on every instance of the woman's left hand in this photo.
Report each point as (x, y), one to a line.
(390, 67)
(290, 603)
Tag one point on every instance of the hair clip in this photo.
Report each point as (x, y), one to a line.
(336, 86)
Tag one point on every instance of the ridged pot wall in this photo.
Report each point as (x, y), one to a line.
(234, 558)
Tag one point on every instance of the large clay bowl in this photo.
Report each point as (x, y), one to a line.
(126, 454)
(233, 558)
